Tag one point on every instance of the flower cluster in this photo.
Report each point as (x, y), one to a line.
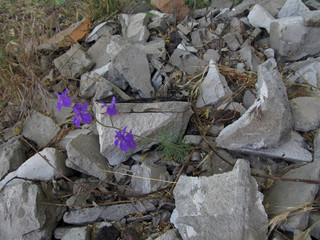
(124, 139)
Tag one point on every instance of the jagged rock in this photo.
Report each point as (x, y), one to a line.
(213, 89)
(210, 207)
(144, 119)
(306, 113)
(211, 54)
(293, 8)
(12, 155)
(313, 218)
(132, 64)
(21, 200)
(110, 213)
(312, 19)
(98, 52)
(84, 156)
(269, 53)
(232, 41)
(103, 29)
(294, 150)
(283, 195)
(160, 20)
(273, 6)
(74, 62)
(40, 128)
(221, 3)
(243, 6)
(292, 40)
(187, 62)
(134, 26)
(313, 4)
(172, 234)
(94, 85)
(316, 147)
(259, 17)
(268, 121)
(148, 171)
(247, 53)
(71, 233)
(71, 135)
(248, 99)
(177, 7)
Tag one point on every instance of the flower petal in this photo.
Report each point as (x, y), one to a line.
(66, 101)
(116, 142)
(123, 147)
(86, 118)
(84, 107)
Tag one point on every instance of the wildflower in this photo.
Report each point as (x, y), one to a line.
(126, 141)
(63, 100)
(111, 109)
(80, 114)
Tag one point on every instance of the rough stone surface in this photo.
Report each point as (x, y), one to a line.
(144, 119)
(132, 64)
(316, 147)
(22, 216)
(294, 150)
(12, 155)
(213, 89)
(247, 53)
(210, 207)
(268, 121)
(148, 171)
(284, 194)
(187, 62)
(306, 113)
(84, 156)
(313, 4)
(273, 6)
(259, 17)
(293, 8)
(74, 62)
(134, 26)
(232, 41)
(71, 135)
(82, 233)
(312, 19)
(313, 218)
(110, 213)
(40, 128)
(172, 234)
(292, 40)
(177, 7)
(103, 29)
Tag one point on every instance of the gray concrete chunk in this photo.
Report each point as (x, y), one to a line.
(134, 26)
(259, 17)
(293, 8)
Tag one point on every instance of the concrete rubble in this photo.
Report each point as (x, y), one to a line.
(239, 83)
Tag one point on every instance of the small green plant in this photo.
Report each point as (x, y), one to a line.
(173, 146)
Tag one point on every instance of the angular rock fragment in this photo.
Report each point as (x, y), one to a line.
(103, 29)
(40, 128)
(144, 119)
(22, 214)
(306, 113)
(84, 156)
(273, 7)
(132, 64)
(283, 195)
(259, 17)
(293, 8)
(110, 213)
(213, 89)
(134, 26)
(312, 18)
(232, 41)
(223, 206)
(177, 7)
(292, 40)
(187, 62)
(148, 172)
(268, 121)
(74, 62)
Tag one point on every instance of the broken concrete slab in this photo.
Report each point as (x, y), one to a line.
(20, 201)
(292, 40)
(313, 4)
(268, 122)
(232, 41)
(210, 207)
(214, 88)
(312, 19)
(248, 54)
(160, 20)
(316, 146)
(134, 26)
(177, 7)
(148, 172)
(40, 128)
(144, 119)
(103, 29)
(132, 64)
(260, 17)
(83, 152)
(110, 213)
(74, 62)
(283, 195)
(187, 62)
(272, 6)
(293, 8)
(306, 113)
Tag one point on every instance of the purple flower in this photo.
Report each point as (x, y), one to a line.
(126, 140)
(80, 114)
(63, 100)
(111, 109)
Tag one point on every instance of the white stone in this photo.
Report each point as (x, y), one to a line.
(259, 17)
(293, 8)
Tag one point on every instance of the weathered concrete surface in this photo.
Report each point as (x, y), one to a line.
(134, 26)
(223, 206)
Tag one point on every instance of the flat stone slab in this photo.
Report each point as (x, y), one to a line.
(144, 119)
